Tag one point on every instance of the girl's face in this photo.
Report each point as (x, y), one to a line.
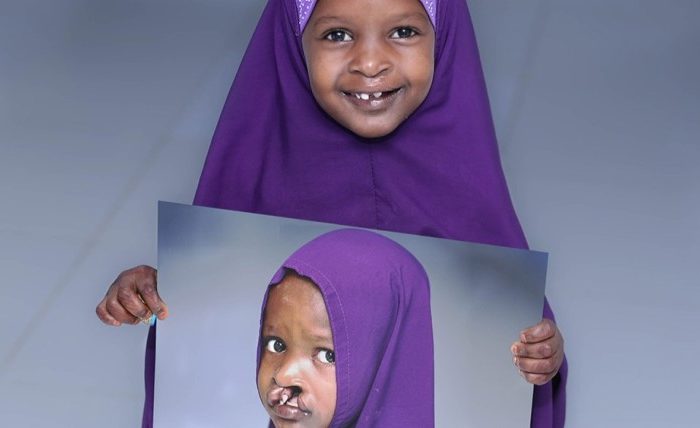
(370, 62)
(296, 379)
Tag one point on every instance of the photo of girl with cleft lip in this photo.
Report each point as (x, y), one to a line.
(346, 336)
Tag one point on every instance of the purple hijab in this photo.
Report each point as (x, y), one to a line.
(378, 303)
(276, 152)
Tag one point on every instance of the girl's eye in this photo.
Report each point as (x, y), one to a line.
(403, 33)
(275, 345)
(326, 356)
(338, 36)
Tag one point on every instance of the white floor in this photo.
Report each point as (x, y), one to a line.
(106, 107)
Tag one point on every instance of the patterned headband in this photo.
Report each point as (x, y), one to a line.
(305, 7)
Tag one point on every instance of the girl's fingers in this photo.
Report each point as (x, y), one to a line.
(104, 316)
(130, 300)
(145, 284)
(539, 332)
(119, 313)
(539, 353)
(538, 365)
(536, 378)
(544, 349)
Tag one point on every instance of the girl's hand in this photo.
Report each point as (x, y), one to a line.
(132, 298)
(539, 353)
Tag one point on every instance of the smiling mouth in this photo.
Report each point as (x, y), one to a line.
(369, 96)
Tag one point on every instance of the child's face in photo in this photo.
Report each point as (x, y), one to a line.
(370, 62)
(296, 379)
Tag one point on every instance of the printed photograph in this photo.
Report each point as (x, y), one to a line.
(276, 321)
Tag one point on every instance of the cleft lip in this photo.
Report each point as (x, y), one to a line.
(280, 400)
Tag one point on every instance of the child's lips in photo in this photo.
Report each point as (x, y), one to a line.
(287, 412)
(286, 404)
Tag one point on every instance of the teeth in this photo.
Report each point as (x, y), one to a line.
(284, 399)
(367, 96)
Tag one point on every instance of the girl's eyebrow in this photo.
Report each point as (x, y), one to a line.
(268, 329)
(403, 16)
(330, 19)
(398, 17)
(320, 337)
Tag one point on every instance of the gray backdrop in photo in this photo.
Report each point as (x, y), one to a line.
(214, 267)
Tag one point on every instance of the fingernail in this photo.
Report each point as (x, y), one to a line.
(515, 361)
(523, 338)
(513, 349)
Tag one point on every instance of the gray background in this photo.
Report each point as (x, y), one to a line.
(107, 106)
(215, 265)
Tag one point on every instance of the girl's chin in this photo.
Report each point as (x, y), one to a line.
(372, 131)
(283, 423)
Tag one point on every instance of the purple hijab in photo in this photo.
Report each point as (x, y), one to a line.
(276, 152)
(378, 302)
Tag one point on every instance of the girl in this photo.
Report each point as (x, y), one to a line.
(368, 113)
(346, 336)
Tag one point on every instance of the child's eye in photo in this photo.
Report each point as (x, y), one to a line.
(275, 345)
(326, 356)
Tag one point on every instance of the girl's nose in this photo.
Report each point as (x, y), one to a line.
(292, 371)
(371, 59)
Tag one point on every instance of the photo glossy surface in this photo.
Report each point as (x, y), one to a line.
(481, 297)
